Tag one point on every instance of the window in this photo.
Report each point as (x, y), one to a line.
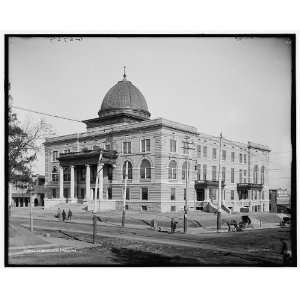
(172, 145)
(199, 150)
(109, 172)
(184, 194)
(245, 176)
(223, 173)
(198, 172)
(145, 145)
(184, 170)
(66, 193)
(223, 154)
(241, 158)
(129, 169)
(214, 173)
(263, 195)
(241, 176)
(262, 174)
(204, 172)
(144, 207)
(185, 147)
(54, 155)
(205, 151)
(126, 147)
(145, 169)
(82, 173)
(245, 158)
(255, 174)
(53, 193)
(255, 195)
(173, 208)
(109, 193)
(213, 194)
(107, 147)
(173, 193)
(232, 175)
(172, 169)
(67, 174)
(82, 191)
(214, 153)
(144, 193)
(127, 194)
(232, 195)
(67, 151)
(54, 174)
(232, 156)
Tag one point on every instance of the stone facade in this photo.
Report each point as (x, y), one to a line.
(164, 193)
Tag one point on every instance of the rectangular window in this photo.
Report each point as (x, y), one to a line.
(144, 207)
(245, 158)
(127, 194)
(107, 147)
(232, 195)
(232, 175)
(144, 193)
(214, 173)
(145, 145)
(126, 147)
(185, 147)
(213, 194)
(223, 154)
(199, 150)
(172, 145)
(204, 172)
(241, 176)
(232, 156)
(223, 173)
(245, 176)
(66, 193)
(263, 195)
(109, 193)
(173, 208)
(241, 158)
(214, 153)
(54, 155)
(199, 172)
(53, 193)
(173, 193)
(205, 151)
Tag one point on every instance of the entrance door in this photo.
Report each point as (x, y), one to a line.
(200, 194)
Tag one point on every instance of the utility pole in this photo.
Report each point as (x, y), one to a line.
(124, 194)
(187, 160)
(220, 188)
(31, 202)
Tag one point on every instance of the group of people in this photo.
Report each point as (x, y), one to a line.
(61, 215)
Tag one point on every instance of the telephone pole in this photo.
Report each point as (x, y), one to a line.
(220, 188)
(186, 147)
(124, 194)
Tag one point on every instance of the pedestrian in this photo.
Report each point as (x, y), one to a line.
(58, 214)
(69, 215)
(286, 252)
(63, 214)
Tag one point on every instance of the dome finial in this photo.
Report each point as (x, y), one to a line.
(124, 75)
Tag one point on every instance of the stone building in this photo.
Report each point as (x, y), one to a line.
(167, 161)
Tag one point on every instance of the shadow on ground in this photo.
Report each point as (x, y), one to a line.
(137, 257)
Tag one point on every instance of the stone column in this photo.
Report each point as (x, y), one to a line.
(87, 183)
(61, 182)
(206, 194)
(101, 183)
(72, 186)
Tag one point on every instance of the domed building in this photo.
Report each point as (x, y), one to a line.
(126, 158)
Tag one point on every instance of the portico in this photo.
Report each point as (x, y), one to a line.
(84, 185)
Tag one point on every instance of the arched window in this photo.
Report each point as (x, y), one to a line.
(262, 174)
(129, 166)
(172, 169)
(184, 170)
(255, 174)
(145, 169)
(54, 174)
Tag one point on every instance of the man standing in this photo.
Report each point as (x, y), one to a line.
(69, 215)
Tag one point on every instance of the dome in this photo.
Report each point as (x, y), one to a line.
(124, 97)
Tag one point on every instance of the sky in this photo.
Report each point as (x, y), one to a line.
(240, 87)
